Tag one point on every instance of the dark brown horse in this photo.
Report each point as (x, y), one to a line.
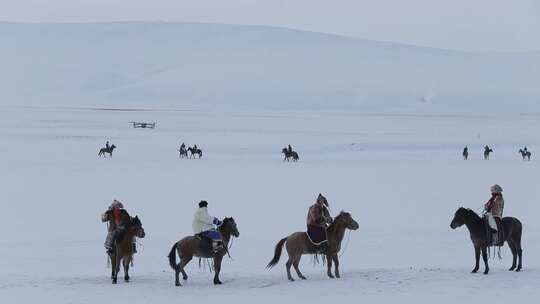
(109, 150)
(194, 246)
(479, 229)
(123, 250)
(290, 155)
(298, 244)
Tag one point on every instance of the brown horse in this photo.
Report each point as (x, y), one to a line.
(195, 246)
(299, 244)
(123, 250)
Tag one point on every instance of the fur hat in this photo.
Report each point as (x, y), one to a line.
(496, 189)
(116, 204)
(322, 200)
(203, 204)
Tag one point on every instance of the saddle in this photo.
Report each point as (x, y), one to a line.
(495, 238)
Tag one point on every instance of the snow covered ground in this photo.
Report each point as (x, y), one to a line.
(401, 176)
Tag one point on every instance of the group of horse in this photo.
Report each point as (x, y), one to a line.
(525, 153)
(192, 152)
(298, 244)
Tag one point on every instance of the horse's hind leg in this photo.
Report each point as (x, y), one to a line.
(296, 263)
(183, 262)
(288, 267)
(514, 254)
(519, 253)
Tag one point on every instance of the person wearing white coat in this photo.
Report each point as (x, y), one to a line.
(203, 224)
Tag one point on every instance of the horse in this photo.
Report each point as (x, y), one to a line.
(487, 152)
(183, 152)
(290, 154)
(123, 250)
(194, 246)
(298, 244)
(194, 151)
(525, 154)
(109, 150)
(479, 229)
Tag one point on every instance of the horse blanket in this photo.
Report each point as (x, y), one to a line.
(316, 234)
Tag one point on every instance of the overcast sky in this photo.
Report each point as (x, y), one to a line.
(501, 25)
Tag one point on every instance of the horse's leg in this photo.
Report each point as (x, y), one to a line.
(329, 266)
(296, 263)
(485, 258)
(126, 268)
(520, 253)
(183, 262)
(111, 259)
(217, 268)
(477, 258)
(514, 254)
(288, 267)
(116, 268)
(336, 265)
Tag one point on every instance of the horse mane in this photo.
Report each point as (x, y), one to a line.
(471, 213)
(336, 220)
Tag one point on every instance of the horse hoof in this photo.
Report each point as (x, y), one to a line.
(331, 276)
(303, 278)
(486, 272)
(518, 270)
(114, 281)
(126, 280)
(512, 268)
(185, 278)
(218, 282)
(474, 271)
(338, 276)
(177, 284)
(291, 279)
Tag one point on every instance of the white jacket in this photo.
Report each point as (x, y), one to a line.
(202, 221)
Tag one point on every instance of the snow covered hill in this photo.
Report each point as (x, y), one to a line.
(232, 66)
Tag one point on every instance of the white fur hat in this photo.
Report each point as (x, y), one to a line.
(496, 189)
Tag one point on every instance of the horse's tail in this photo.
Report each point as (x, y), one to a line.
(277, 253)
(172, 257)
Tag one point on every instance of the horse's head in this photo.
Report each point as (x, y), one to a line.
(113, 147)
(137, 226)
(459, 218)
(284, 150)
(229, 225)
(346, 219)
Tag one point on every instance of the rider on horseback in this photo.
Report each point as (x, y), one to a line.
(289, 149)
(203, 225)
(118, 219)
(318, 220)
(107, 146)
(494, 207)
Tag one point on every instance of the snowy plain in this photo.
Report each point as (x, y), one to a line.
(398, 171)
